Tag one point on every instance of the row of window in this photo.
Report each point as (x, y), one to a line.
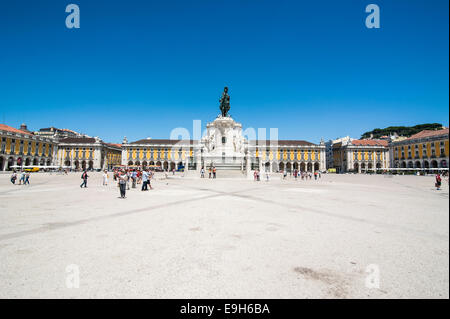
(441, 144)
(288, 152)
(157, 149)
(424, 153)
(22, 147)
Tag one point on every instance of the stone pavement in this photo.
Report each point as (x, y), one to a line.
(200, 238)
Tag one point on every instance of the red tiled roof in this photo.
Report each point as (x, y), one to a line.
(428, 133)
(7, 128)
(281, 142)
(370, 142)
(162, 141)
(115, 145)
(78, 140)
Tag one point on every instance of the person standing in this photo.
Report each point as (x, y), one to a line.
(128, 173)
(210, 171)
(139, 176)
(149, 179)
(105, 178)
(123, 180)
(144, 181)
(84, 177)
(202, 173)
(438, 181)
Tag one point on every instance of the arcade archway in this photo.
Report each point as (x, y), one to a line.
(10, 163)
(302, 167)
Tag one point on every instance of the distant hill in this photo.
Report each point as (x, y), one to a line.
(401, 130)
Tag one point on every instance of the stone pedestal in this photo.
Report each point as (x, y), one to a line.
(224, 144)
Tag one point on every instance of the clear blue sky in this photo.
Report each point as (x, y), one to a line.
(141, 68)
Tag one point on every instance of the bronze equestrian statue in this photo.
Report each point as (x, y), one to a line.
(225, 102)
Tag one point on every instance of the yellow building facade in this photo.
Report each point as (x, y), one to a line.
(367, 155)
(90, 153)
(426, 149)
(22, 148)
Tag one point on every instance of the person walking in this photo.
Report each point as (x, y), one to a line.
(84, 177)
(202, 173)
(438, 181)
(22, 178)
(284, 174)
(214, 172)
(27, 178)
(123, 181)
(210, 171)
(13, 177)
(133, 179)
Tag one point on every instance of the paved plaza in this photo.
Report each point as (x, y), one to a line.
(225, 238)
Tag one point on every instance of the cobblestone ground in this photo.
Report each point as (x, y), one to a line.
(343, 236)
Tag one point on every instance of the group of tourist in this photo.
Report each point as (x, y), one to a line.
(24, 178)
(306, 175)
(295, 173)
(211, 170)
(133, 176)
(125, 177)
